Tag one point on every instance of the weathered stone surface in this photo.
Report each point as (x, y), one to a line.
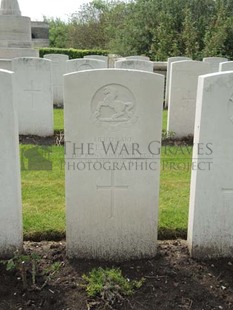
(112, 194)
(11, 230)
(5, 64)
(98, 57)
(135, 64)
(226, 66)
(84, 64)
(182, 95)
(10, 7)
(210, 231)
(214, 62)
(135, 57)
(15, 32)
(34, 96)
(169, 62)
(58, 70)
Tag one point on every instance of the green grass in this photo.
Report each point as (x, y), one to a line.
(109, 284)
(164, 119)
(44, 193)
(44, 198)
(174, 191)
(58, 119)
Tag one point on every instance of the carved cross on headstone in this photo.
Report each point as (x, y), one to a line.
(32, 90)
(113, 188)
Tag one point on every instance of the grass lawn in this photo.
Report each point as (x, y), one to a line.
(58, 119)
(44, 193)
(164, 120)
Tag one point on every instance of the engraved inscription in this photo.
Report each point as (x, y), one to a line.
(112, 188)
(113, 104)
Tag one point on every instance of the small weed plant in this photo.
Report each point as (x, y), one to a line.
(110, 285)
(27, 266)
(168, 135)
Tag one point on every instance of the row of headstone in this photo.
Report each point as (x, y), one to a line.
(181, 90)
(213, 61)
(109, 215)
(39, 84)
(113, 132)
(61, 65)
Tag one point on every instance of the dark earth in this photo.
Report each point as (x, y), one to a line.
(172, 281)
(58, 139)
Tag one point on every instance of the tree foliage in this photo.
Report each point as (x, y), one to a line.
(157, 28)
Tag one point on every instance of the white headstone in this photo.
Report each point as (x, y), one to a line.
(58, 70)
(138, 57)
(75, 65)
(226, 66)
(112, 194)
(182, 95)
(11, 231)
(135, 64)
(214, 62)
(169, 62)
(98, 57)
(34, 96)
(210, 232)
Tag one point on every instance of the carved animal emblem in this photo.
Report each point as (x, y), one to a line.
(121, 110)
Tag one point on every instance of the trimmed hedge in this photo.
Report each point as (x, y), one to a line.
(71, 52)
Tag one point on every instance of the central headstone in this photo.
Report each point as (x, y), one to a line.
(113, 133)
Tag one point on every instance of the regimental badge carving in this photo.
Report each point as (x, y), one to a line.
(230, 108)
(114, 105)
